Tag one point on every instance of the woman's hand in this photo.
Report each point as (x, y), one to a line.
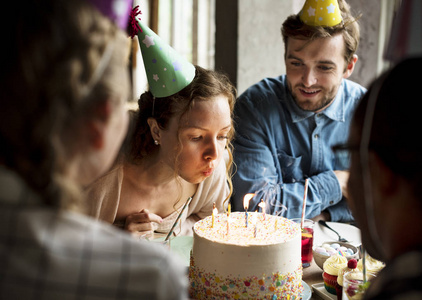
(140, 224)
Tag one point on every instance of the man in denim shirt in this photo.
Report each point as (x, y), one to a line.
(286, 126)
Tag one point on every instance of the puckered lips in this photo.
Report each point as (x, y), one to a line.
(207, 171)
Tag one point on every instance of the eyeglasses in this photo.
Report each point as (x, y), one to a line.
(404, 161)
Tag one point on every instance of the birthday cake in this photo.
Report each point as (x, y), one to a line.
(230, 260)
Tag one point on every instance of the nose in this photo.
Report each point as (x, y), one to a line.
(308, 77)
(211, 151)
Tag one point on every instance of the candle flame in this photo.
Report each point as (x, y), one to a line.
(246, 200)
(215, 211)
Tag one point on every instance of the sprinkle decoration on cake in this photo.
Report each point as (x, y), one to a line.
(230, 260)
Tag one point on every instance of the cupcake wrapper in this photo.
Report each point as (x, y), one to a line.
(330, 283)
(339, 290)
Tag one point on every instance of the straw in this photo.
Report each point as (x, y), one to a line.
(364, 264)
(304, 202)
(177, 219)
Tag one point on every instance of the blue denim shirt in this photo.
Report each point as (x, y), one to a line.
(278, 145)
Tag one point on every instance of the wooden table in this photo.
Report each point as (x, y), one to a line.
(312, 275)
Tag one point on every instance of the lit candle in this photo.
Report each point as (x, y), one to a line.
(262, 205)
(246, 200)
(229, 209)
(214, 212)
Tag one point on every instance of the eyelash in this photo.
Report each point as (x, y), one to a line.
(198, 138)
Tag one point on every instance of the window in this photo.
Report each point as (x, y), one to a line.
(186, 25)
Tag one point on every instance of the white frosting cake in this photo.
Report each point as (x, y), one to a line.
(261, 261)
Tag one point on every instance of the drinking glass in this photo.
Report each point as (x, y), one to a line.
(307, 240)
(354, 286)
(160, 239)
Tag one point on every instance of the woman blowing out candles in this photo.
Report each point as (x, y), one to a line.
(174, 149)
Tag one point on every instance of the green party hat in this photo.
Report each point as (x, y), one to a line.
(167, 71)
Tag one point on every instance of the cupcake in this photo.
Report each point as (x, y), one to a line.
(331, 268)
(372, 265)
(351, 267)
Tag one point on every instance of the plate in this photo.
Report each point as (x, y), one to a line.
(307, 292)
(320, 290)
(349, 232)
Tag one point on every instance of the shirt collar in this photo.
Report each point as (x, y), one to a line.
(335, 111)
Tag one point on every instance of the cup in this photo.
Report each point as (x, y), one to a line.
(307, 240)
(161, 241)
(354, 286)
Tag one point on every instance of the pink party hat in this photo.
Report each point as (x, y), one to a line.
(117, 10)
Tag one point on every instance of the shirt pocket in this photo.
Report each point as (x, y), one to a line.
(291, 170)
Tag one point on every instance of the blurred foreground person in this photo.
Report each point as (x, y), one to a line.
(63, 83)
(385, 177)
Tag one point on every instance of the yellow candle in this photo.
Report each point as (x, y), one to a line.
(214, 212)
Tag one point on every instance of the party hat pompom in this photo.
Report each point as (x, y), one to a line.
(167, 71)
(324, 13)
(133, 23)
(116, 10)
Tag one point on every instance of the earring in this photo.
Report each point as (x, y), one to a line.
(156, 142)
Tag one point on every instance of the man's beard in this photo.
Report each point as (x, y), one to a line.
(309, 105)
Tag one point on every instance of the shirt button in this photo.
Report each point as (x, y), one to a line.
(331, 202)
(316, 136)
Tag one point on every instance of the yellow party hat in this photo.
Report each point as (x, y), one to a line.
(324, 13)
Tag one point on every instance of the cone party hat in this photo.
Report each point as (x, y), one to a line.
(167, 71)
(117, 10)
(325, 13)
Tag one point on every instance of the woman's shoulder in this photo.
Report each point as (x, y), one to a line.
(113, 175)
